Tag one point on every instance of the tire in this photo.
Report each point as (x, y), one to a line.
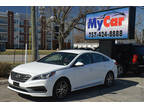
(109, 79)
(61, 89)
(120, 69)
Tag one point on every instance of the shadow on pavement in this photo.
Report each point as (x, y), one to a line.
(87, 93)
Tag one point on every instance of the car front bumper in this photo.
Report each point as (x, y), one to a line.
(35, 88)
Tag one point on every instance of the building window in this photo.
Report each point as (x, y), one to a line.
(21, 30)
(3, 37)
(21, 38)
(22, 23)
(3, 20)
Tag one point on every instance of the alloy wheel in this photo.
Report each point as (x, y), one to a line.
(109, 79)
(120, 70)
(61, 89)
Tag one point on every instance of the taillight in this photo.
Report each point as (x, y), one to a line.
(135, 58)
(116, 63)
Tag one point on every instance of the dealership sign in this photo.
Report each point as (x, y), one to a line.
(110, 24)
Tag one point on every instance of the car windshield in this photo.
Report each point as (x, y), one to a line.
(58, 58)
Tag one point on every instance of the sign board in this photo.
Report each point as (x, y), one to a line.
(111, 24)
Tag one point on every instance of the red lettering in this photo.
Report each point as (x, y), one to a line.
(120, 20)
(114, 21)
(105, 21)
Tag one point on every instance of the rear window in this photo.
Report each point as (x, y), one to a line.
(99, 58)
(139, 50)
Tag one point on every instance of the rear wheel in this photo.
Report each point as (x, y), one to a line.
(109, 79)
(120, 70)
(61, 89)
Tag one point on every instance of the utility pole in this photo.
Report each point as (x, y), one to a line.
(34, 35)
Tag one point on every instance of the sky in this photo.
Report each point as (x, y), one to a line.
(24, 9)
(18, 9)
(27, 9)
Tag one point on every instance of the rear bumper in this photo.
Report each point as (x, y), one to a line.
(136, 68)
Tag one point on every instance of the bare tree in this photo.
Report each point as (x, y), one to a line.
(66, 24)
(79, 38)
(68, 20)
(139, 26)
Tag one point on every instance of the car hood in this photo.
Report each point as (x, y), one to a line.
(36, 68)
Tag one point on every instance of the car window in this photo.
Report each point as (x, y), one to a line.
(105, 58)
(85, 58)
(54, 57)
(99, 58)
(58, 58)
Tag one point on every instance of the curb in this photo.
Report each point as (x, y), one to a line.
(3, 82)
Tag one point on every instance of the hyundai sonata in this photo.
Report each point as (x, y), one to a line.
(62, 72)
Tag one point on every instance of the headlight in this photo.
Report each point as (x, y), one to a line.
(44, 76)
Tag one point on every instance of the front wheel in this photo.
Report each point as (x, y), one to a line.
(109, 79)
(61, 89)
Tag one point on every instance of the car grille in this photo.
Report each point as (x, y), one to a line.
(20, 77)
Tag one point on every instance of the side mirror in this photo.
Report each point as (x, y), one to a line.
(78, 64)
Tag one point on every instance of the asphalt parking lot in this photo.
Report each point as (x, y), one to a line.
(126, 89)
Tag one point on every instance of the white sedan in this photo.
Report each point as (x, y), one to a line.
(62, 72)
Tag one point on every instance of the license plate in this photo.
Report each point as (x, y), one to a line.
(16, 84)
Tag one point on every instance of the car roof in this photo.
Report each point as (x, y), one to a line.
(76, 51)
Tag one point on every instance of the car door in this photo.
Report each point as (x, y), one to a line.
(81, 76)
(99, 67)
